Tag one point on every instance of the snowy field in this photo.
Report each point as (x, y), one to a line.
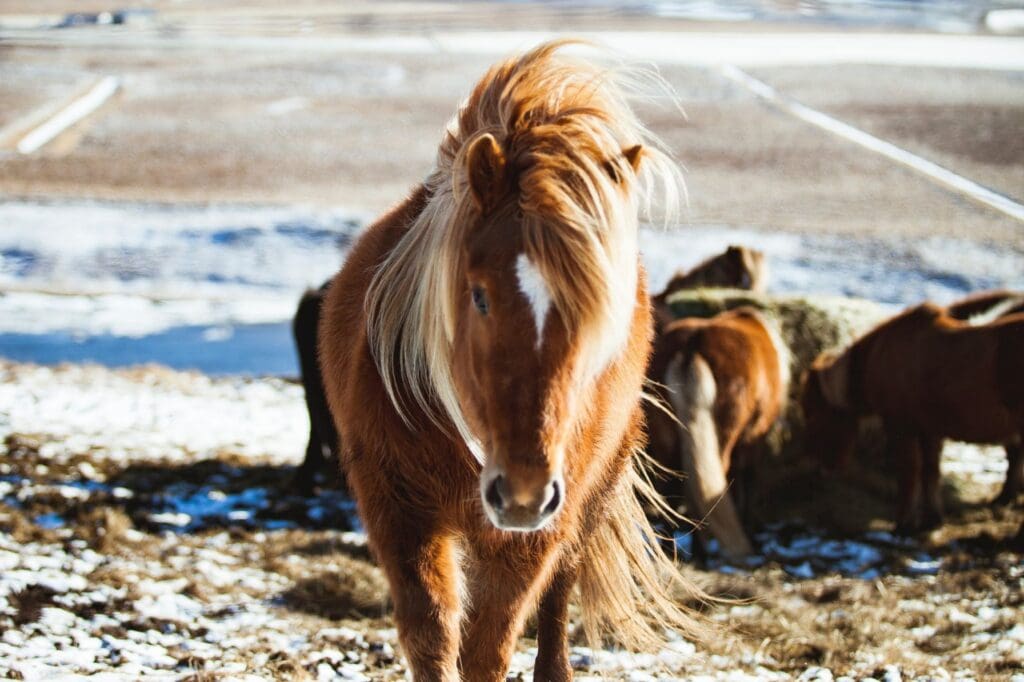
(214, 288)
(150, 530)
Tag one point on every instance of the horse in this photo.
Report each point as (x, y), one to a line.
(483, 352)
(726, 379)
(929, 376)
(737, 267)
(322, 446)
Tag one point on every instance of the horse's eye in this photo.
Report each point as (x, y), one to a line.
(480, 300)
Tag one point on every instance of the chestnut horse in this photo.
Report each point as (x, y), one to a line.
(929, 376)
(726, 379)
(483, 352)
(738, 267)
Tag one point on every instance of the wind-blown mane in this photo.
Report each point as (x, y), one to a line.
(564, 125)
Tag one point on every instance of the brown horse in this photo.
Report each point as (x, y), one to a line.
(726, 379)
(483, 351)
(929, 377)
(738, 267)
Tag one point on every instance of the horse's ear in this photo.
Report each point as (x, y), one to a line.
(632, 156)
(485, 166)
(834, 379)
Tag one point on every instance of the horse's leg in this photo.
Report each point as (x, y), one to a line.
(931, 480)
(1014, 474)
(304, 329)
(552, 664)
(423, 574)
(505, 585)
(903, 450)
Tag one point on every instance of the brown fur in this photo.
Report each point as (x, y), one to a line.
(929, 377)
(442, 387)
(726, 379)
(738, 267)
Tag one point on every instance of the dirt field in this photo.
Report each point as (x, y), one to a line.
(267, 106)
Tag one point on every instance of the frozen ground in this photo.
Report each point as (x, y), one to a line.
(146, 531)
(213, 288)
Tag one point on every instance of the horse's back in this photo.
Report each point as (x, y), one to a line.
(985, 306)
(944, 375)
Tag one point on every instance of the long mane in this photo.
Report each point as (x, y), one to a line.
(563, 124)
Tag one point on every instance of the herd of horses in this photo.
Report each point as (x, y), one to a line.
(495, 381)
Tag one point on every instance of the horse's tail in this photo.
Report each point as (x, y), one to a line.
(629, 588)
(692, 391)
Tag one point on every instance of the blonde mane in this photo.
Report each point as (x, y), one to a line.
(563, 125)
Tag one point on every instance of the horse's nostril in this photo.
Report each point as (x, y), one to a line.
(556, 499)
(493, 495)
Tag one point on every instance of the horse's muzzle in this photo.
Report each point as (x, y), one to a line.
(521, 509)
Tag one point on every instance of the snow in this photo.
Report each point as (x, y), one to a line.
(165, 416)
(215, 287)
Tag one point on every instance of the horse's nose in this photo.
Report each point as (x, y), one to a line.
(522, 508)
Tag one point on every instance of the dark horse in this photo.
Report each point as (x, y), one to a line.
(929, 376)
(322, 446)
(483, 352)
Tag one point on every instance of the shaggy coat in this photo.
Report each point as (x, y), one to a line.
(726, 379)
(483, 352)
(929, 377)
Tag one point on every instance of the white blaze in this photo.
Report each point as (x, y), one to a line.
(535, 289)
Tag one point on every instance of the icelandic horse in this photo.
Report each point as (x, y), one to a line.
(929, 376)
(726, 379)
(738, 267)
(483, 351)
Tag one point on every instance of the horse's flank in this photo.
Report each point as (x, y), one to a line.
(929, 376)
